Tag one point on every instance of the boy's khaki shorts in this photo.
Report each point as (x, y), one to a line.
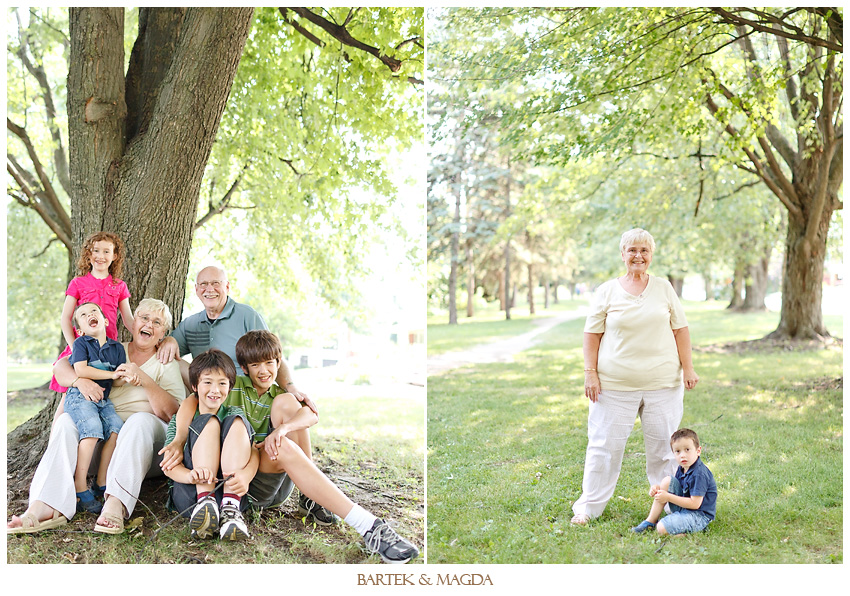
(270, 490)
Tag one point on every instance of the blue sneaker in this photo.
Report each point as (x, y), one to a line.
(643, 527)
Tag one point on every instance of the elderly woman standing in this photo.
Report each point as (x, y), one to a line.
(637, 362)
(145, 406)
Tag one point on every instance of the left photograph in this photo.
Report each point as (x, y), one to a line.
(216, 310)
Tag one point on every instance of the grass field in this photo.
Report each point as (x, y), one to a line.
(371, 446)
(506, 453)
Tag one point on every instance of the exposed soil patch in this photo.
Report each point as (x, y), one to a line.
(767, 346)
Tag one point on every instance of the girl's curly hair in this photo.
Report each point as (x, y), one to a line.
(84, 262)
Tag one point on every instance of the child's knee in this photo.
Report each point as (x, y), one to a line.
(665, 484)
(284, 407)
(659, 527)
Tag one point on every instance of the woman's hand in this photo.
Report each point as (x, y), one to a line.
(172, 455)
(691, 378)
(591, 385)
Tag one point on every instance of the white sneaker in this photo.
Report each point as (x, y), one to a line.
(232, 524)
(204, 520)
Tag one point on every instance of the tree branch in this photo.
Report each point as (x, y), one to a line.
(294, 24)
(796, 33)
(47, 186)
(341, 34)
(224, 203)
(34, 203)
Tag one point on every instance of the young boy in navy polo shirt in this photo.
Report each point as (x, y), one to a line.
(691, 495)
(95, 357)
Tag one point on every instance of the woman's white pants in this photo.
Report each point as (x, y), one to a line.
(609, 424)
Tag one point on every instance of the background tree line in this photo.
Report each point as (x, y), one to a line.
(718, 130)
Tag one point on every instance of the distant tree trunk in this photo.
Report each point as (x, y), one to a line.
(470, 281)
(508, 303)
(555, 283)
(677, 283)
(502, 302)
(531, 289)
(738, 286)
(455, 254)
(709, 286)
(755, 289)
(546, 285)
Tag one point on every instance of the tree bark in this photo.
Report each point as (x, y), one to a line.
(531, 289)
(140, 178)
(755, 289)
(802, 282)
(737, 300)
(677, 283)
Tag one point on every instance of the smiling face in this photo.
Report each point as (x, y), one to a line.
(262, 374)
(90, 320)
(148, 328)
(637, 258)
(212, 288)
(686, 452)
(212, 389)
(102, 255)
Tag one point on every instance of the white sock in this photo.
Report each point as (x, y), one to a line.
(233, 501)
(360, 519)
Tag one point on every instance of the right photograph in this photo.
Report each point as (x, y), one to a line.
(635, 285)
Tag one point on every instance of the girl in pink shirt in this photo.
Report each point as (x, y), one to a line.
(98, 280)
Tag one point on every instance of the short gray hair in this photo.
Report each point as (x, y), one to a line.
(637, 236)
(154, 306)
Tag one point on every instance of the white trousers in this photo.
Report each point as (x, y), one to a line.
(609, 424)
(135, 458)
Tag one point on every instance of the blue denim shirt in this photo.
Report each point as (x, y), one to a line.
(698, 481)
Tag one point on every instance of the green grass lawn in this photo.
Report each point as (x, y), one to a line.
(27, 376)
(372, 447)
(506, 449)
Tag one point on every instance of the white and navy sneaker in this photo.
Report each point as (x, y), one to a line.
(233, 524)
(309, 508)
(382, 539)
(204, 520)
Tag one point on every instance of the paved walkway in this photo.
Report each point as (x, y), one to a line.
(503, 350)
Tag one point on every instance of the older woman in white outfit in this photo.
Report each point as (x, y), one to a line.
(637, 362)
(146, 407)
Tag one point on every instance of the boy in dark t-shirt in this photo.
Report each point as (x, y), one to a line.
(691, 495)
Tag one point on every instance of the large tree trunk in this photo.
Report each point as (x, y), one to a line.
(802, 282)
(138, 147)
(677, 283)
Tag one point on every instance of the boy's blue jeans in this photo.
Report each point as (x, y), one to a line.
(681, 520)
(96, 419)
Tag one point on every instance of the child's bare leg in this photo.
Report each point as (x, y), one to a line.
(284, 410)
(105, 455)
(307, 477)
(85, 451)
(206, 452)
(657, 506)
(236, 450)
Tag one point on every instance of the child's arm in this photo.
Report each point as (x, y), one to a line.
(172, 454)
(686, 502)
(85, 371)
(66, 321)
(184, 475)
(126, 313)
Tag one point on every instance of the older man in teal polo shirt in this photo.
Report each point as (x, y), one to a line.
(220, 325)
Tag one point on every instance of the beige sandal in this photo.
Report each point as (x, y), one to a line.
(580, 519)
(30, 524)
(117, 522)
